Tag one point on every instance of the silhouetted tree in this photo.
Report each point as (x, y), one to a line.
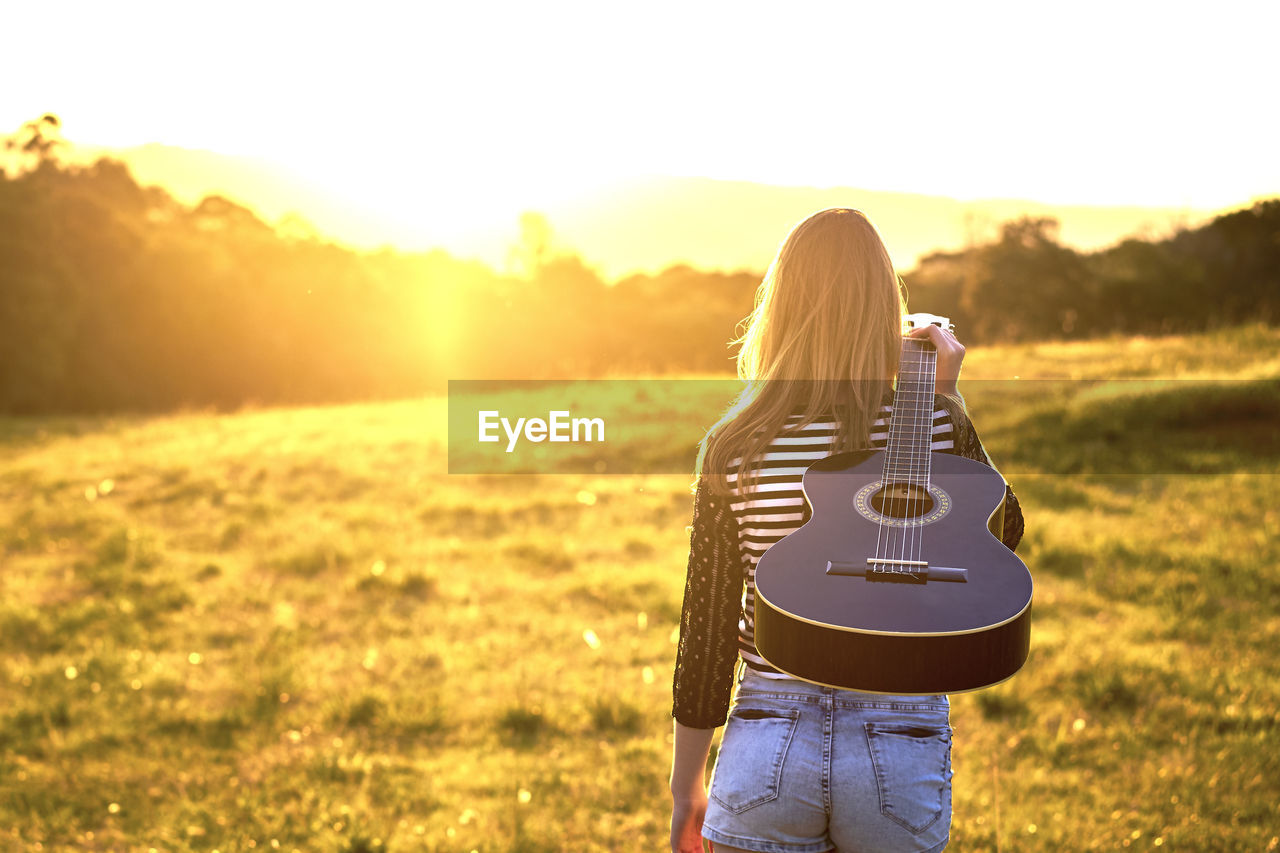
(1028, 285)
(36, 142)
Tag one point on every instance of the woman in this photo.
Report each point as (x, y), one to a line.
(802, 768)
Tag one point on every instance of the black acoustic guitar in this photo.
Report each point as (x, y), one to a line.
(898, 582)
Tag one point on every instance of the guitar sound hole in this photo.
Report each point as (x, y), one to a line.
(902, 500)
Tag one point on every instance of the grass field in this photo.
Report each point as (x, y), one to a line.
(291, 629)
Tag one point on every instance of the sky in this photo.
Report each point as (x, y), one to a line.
(463, 110)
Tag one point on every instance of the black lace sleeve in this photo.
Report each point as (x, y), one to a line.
(968, 445)
(708, 646)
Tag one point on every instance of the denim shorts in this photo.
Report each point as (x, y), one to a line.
(804, 768)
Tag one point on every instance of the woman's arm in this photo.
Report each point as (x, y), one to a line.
(967, 443)
(688, 787)
(705, 658)
(707, 651)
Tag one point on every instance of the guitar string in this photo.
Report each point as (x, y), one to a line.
(924, 440)
(885, 551)
(885, 533)
(918, 417)
(904, 411)
(895, 464)
(905, 541)
(913, 461)
(911, 411)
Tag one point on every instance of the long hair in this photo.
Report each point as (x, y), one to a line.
(823, 340)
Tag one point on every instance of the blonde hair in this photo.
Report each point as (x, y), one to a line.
(823, 340)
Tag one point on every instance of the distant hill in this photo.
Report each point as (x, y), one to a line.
(737, 224)
(646, 224)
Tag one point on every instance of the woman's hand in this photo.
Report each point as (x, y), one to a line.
(950, 355)
(689, 751)
(686, 822)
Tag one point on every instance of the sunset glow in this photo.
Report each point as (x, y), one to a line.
(448, 119)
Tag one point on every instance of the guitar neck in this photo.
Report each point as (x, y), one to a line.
(911, 425)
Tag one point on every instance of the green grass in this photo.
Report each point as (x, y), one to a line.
(290, 629)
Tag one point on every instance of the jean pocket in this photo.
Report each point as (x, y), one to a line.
(749, 765)
(912, 763)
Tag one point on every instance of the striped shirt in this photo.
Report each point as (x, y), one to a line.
(729, 535)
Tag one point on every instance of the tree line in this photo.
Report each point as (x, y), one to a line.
(115, 296)
(1025, 285)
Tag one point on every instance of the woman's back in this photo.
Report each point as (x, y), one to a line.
(731, 534)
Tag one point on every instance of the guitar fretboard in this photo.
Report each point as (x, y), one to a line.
(911, 426)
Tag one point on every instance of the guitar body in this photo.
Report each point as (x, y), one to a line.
(823, 614)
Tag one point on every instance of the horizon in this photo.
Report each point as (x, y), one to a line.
(276, 194)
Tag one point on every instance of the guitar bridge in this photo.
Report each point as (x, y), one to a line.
(897, 571)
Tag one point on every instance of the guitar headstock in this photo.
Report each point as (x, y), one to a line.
(919, 320)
